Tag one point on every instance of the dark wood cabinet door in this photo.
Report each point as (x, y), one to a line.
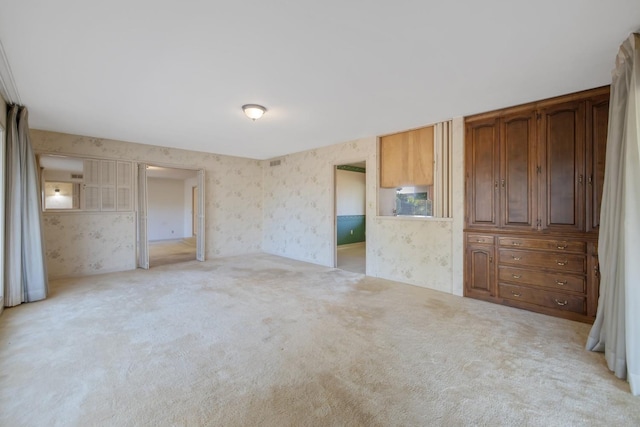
(562, 155)
(518, 178)
(597, 127)
(482, 170)
(480, 271)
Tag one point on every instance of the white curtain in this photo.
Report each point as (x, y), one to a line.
(616, 330)
(25, 277)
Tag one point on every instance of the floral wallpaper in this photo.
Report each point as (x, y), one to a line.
(298, 200)
(79, 244)
(298, 218)
(233, 209)
(251, 206)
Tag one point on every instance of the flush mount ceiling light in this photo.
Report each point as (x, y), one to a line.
(253, 111)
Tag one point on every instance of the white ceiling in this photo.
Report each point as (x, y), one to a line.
(175, 73)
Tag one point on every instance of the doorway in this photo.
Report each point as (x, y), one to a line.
(170, 215)
(350, 216)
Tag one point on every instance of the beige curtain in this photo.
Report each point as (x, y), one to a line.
(25, 278)
(616, 330)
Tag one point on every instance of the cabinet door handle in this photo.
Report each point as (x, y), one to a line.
(496, 184)
(562, 262)
(516, 243)
(490, 259)
(561, 303)
(580, 179)
(516, 294)
(561, 283)
(516, 258)
(502, 183)
(516, 276)
(561, 245)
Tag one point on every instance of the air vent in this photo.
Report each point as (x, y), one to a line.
(77, 176)
(275, 163)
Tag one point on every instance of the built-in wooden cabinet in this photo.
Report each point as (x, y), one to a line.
(479, 269)
(533, 182)
(406, 158)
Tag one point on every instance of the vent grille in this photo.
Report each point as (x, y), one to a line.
(275, 163)
(77, 176)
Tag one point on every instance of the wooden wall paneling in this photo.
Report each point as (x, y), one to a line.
(597, 126)
(421, 156)
(482, 173)
(393, 161)
(518, 174)
(562, 143)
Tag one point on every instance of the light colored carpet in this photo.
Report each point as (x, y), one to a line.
(171, 251)
(262, 340)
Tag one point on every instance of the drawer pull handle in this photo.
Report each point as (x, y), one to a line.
(516, 294)
(479, 240)
(562, 262)
(516, 276)
(516, 258)
(561, 303)
(561, 283)
(562, 246)
(516, 243)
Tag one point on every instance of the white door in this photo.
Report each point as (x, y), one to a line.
(200, 224)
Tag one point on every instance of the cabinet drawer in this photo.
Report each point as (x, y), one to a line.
(481, 239)
(558, 281)
(552, 245)
(550, 299)
(548, 260)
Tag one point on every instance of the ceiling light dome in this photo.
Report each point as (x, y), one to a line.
(253, 111)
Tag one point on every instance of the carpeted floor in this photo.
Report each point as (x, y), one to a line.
(267, 341)
(166, 252)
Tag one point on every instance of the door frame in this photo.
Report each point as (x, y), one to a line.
(334, 207)
(142, 240)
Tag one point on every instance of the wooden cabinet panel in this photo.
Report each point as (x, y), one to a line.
(406, 158)
(553, 280)
(421, 156)
(518, 170)
(480, 239)
(551, 261)
(552, 245)
(393, 160)
(544, 298)
(563, 146)
(480, 271)
(597, 125)
(482, 169)
(533, 190)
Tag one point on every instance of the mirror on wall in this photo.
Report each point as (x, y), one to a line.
(62, 178)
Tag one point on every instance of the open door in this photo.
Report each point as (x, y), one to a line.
(350, 201)
(143, 242)
(200, 209)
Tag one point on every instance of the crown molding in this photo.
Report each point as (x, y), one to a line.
(8, 89)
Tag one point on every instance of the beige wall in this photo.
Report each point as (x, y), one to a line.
(286, 210)
(299, 218)
(92, 243)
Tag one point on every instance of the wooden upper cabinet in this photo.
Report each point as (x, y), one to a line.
(406, 158)
(562, 154)
(482, 173)
(597, 127)
(518, 174)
